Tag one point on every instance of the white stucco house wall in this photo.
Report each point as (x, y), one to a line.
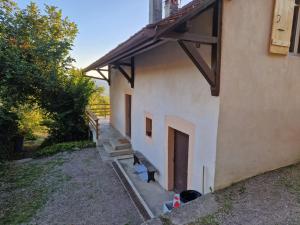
(220, 98)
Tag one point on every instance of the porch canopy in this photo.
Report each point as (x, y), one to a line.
(172, 28)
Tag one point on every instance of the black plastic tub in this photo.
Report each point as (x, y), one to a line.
(189, 195)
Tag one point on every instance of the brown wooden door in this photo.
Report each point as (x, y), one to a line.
(128, 115)
(181, 147)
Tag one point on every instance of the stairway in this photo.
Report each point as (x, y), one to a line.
(117, 147)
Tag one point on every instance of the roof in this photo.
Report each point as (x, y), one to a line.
(151, 34)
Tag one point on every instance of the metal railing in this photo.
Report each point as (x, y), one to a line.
(94, 113)
(100, 110)
(93, 121)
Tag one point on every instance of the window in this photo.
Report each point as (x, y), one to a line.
(295, 39)
(148, 127)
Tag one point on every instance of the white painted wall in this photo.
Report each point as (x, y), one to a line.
(118, 88)
(168, 84)
(259, 124)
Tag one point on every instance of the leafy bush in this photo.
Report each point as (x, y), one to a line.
(65, 103)
(63, 147)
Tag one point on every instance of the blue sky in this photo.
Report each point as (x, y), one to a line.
(102, 24)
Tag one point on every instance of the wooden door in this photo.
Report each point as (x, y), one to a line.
(181, 147)
(128, 115)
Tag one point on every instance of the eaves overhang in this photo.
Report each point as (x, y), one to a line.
(152, 35)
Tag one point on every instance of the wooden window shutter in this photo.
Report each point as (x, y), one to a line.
(282, 26)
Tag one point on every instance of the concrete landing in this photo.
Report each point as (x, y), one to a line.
(152, 193)
(117, 151)
(120, 143)
(112, 141)
(107, 132)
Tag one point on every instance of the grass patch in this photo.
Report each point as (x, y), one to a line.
(225, 201)
(63, 147)
(207, 220)
(291, 180)
(24, 189)
(227, 205)
(165, 220)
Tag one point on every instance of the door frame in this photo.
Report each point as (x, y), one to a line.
(176, 123)
(176, 164)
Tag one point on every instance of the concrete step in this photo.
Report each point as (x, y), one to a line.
(114, 153)
(120, 143)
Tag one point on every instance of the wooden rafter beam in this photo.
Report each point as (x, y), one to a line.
(125, 64)
(188, 42)
(104, 70)
(192, 52)
(93, 77)
(130, 78)
(125, 74)
(192, 37)
(103, 76)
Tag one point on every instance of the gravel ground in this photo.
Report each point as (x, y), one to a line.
(92, 195)
(272, 198)
(269, 199)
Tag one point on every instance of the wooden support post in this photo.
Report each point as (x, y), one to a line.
(216, 48)
(97, 128)
(132, 71)
(109, 74)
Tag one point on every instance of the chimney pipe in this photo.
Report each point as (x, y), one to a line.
(155, 11)
(171, 7)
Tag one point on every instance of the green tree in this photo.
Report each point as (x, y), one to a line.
(99, 103)
(33, 49)
(98, 96)
(36, 68)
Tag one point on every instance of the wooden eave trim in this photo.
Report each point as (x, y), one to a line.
(147, 36)
(151, 36)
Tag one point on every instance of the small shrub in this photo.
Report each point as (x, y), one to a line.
(63, 147)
